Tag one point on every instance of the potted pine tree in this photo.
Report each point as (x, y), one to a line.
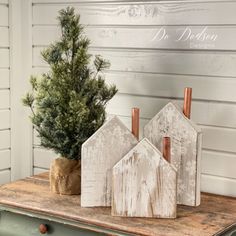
(68, 102)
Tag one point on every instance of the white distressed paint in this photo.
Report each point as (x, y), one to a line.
(161, 75)
(99, 154)
(144, 184)
(186, 143)
(5, 114)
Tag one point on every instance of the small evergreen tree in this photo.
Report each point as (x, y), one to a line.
(68, 103)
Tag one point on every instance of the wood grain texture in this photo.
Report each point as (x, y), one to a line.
(144, 184)
(189, 63)
(167, 85)
(143, 13)
(33, 195)
(186, 146)
(205, 113)
(217, 38)
(99, 154)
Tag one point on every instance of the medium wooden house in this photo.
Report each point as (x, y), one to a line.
(185, 149)
(99, 154)
(144, 184)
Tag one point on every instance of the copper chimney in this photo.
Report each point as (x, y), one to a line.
(187, 102)
(135, 122)
(166, 148)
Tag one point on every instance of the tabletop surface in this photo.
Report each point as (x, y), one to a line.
(33, 195)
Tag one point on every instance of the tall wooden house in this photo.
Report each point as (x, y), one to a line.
(99, 154)
(185, 149)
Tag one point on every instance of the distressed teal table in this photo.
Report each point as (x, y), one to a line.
(27, 204)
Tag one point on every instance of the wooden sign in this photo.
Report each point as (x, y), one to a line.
(144, 184)
(99, 154)
(186, 139)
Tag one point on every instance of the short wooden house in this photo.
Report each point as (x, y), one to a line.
(144, 184)
(185, 149)
(99, 154)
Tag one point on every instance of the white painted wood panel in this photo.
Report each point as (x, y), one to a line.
(218, 185)
(150, 78)
(4, 139)
(221, 139)
(142, 13)
(4, 99)
(177, 62)
(219, 164)
(4, 58)
(3, 14)
(4, 37)
(4, 119)
(207, 113)
(168, 86)
(5, 176)
(39, 171)
(178, 37)
(214, 138)
(4, 78)
(43, 157)
(5, 159)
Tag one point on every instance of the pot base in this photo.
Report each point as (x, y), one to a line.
(65, 176)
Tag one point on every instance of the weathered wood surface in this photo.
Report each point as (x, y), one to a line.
(144, 184)
(99, 154)
(165, 37)
(33, 195)
(163, 62)
(186, 147)
(142, 12)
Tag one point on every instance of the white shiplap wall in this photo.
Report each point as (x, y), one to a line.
(149, 73)
(5, 155)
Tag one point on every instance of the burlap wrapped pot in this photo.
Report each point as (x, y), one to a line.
(65, 176)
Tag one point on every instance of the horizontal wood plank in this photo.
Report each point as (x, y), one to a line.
(39, 170)
(169, 86)
(221, 139)
(188, 63)
(219, 164)
(4, 78)
(218, 185)
(3, 14)
(207, 113)
(165, 37)
(214, 138)
(43, 157)
(4, 58)
(4, 2)
(5, 139)
(142, 13)
(5, 159)
(4, 119)
(4, 39)
(4, 98)
(5, 176)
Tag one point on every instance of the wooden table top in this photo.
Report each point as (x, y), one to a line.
(33, 195)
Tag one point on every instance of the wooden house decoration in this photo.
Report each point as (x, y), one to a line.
(144, 184)
(99, 154)
(185, 149)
